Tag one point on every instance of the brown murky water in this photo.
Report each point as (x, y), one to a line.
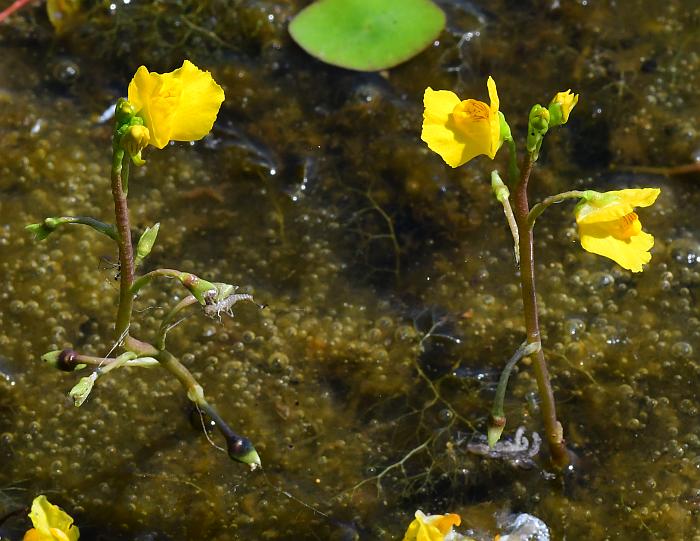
(392, 298)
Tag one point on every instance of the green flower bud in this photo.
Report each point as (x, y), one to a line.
(40, 231)
(146, 242)
(64, 360)
(500, 190)
(539, 119)
(538, 124)
(81, 390)
(495, 430)
(123, 112)
(201, 289)
(241, 449)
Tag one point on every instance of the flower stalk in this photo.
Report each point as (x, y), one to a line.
(120, 168)
(553, 428)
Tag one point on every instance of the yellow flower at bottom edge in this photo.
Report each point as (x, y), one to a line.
(460, 130)
(608, 225)
(177, 106)
(432, 527)
(51, 523)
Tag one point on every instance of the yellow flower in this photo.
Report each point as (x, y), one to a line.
(567, 101)
(178, 106)
(51, 523)
(62, 13)
(608, 225)
(432, 527)
(460, 130)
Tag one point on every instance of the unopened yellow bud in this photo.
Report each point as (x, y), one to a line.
(560, 107)
(135, 140)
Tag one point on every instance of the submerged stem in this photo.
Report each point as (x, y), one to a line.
(239, 447)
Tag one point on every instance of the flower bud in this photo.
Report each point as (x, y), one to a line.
(65, 360)
(146, 242)
(201, 289)
(81, 390)
(538, 124)
(123, 112)
(241, 449)
(560, 107)
(134, 140)
(495, 429)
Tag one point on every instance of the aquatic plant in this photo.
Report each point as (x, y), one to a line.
(367, 35)
(178, 106)
(459, 130)
(434, 528)
(51, 523)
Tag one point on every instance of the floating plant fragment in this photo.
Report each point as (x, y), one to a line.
(367, 35)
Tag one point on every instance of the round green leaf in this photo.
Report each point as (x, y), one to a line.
(367, 35)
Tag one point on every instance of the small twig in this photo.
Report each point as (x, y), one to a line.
(18, 4)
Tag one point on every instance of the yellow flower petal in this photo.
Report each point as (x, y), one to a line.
(432, 527)
(460, 130)
(181, 105)
(155, 98)
(494, 121)
(568, 101)
(629, 253)
(607, 206)
(199, 103)
(50, 522)
(439, 105)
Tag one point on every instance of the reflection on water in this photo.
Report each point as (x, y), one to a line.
(392, 298)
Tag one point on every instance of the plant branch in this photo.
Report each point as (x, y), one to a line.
(120, 166)
(553, 428)
(540, 207)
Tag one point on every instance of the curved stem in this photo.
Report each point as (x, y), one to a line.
(126, 251)
(146, 278)
(167, 323)
(553, 428)
(239, 448)
(503, 195)
(540, 207)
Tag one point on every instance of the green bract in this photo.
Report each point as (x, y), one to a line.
(367, 35)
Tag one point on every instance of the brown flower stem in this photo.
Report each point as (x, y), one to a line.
(120, 167)
(553, 428)
(239, 448)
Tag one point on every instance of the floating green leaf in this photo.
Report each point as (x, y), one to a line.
(367, 35)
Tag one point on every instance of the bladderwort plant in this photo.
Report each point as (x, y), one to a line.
(178, 106)
(459, 130)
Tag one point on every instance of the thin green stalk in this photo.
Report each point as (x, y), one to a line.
(513, 170)
(167, 322)
(144, 280)
(553, 428)
(540, 207)
(120, 167)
